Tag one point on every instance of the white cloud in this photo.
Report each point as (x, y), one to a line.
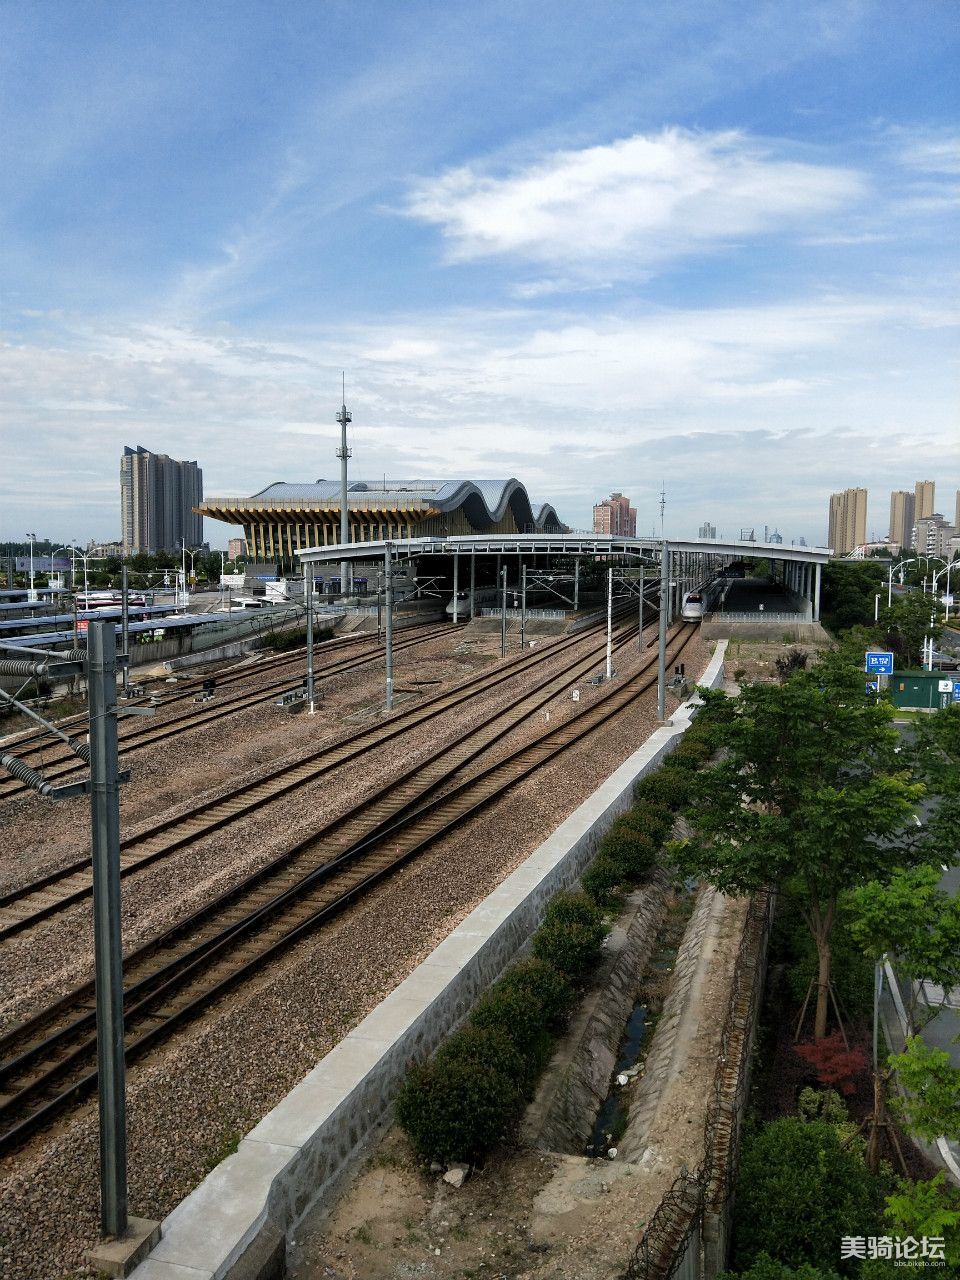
(631, 204)
(767, 408)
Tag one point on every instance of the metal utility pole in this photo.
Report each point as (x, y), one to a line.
(640, 633)
(610, 623)
(576, 584)
(523, 606)
(31, 594)
(343, 453)
(503, 613)
(456, 586)
(308, 601)
(388, 591)
(662, 639)
(105, 821)
(473, 581)
(125, 622)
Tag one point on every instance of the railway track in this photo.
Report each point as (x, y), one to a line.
(55, 761)
(48, 1061)
(26, 906)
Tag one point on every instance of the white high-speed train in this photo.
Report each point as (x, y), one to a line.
(702, 600)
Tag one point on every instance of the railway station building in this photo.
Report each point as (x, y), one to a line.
(284, 518)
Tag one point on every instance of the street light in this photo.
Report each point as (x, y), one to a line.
(893, 566)
(52, 554)
(32, 594)
(946, 569)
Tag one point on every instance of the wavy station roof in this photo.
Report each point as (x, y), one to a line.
(485, 503)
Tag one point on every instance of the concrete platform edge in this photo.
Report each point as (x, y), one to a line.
(233, 1226)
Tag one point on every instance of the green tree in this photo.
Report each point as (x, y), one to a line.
(928, 1209)
(904, 625)
(912, 920)
(931, 1107)
(810, 796)
(848, 592)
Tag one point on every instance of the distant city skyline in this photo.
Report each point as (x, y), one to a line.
(591, 247)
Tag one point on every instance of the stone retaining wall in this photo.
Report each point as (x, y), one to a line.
(234, 1225)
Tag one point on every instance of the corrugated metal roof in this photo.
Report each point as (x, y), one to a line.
(443, 495)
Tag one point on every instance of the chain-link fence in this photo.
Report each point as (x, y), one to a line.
(686, 1237)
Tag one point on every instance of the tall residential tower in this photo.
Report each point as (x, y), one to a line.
(901, 518)
(848, 520)
(157, 497)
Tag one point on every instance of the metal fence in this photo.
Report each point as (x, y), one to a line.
(531, 615)
(754, 615)
(691, 1217)
(256, 622)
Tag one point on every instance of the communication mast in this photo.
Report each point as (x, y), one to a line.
(343, 453)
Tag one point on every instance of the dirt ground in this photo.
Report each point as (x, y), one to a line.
(529, 1215)
(755, 659)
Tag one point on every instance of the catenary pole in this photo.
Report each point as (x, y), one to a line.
(343, 453)
(308, 601)
(105, 822)
(388, 591)
(662, 636)
(523, 607)
(125, 621)
(503, 613)
(610, 622)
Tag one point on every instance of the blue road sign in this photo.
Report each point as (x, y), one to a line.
(956, 690)
(873, 686)
(879, 664)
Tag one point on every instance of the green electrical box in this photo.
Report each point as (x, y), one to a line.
(924, 689)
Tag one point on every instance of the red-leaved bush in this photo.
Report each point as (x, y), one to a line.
(834, 1064)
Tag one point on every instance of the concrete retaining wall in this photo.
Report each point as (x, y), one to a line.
(234, 1224)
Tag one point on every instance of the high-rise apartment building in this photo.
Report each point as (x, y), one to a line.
(901, 517)
(923, 500)
(708, 530)
(932, 534)
(614, 515)
(956, 513)
(157, 497)
(848, 520)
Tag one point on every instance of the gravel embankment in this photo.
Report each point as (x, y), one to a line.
(193, 1098)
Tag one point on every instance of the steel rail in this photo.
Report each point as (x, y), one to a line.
(27, 905)
(144, 733)
(338, 880)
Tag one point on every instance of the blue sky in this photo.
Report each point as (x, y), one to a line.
(593, 246)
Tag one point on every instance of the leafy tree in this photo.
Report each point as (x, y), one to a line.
(847, 593)
(810, 796)
(904, 625)
(929, 1209)
(932, 1103)
(909, 918)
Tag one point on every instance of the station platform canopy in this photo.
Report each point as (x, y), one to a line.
(563, 544)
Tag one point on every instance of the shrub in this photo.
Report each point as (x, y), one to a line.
(669, 788)
(681, 762)
(651, 820)
(457, 1108)
(632, 849)
(518, 1014)
(573, 949)
(602, 879)
(798, 1192)
(543, 983)
(572, 908)
(767, 1268)
(693, 747)
(834, 1063)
